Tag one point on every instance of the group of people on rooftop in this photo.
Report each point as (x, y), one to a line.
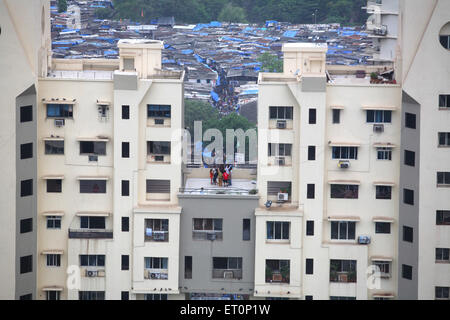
(221, 175)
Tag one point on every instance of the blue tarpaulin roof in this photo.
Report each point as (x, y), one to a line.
(232, 39)
(215, 96)
(110, 52)
(168, 61)
(290, 33)
(215, 24)
(187, 51)
(249, 91)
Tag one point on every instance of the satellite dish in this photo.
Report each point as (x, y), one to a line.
(268, 203)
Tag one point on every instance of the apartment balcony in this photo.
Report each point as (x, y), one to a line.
(227, 274)
(156, 236)
(207, 235)
(90, 234)
(156, 274)
(238, 187)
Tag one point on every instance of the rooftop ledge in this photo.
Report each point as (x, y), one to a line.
(203, 187)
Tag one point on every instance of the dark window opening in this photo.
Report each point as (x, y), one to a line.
(26, 113)
(311, 153)
(92, 186)
(26, 225)
(125, 149)
(188, 267)
(125, 112)
(26, 150)
(26, 188)
(54, 185)
(246, 229)
(125, 188)
(312, 116)
(310, 228)
(408, 234)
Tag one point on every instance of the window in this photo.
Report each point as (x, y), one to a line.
(311, 153)
(443, 255)
(279, 149)
(246, 229)
(53, 295)
(54, 185)
(309, 269)
(26, 114)
(157, 230)
(345, 153)
(92, 260)
(53, 222)
(444, 101)
(156, 263)
(125, 262)
(125, 188)
(125, 112)
(274, 187)
(445, 41)
(158, 111)
(92, 186)
(408, 196)
(281, 113)
(408, 234)
(309, 298)
(124, 295)
(125, 224)
(188, 267)
(54, 147)
(158, 186)
(336, 116)
(158, 147)
(383, 192)
(26, 188)
(310, 193)
(410, 158)
(312, 116)
(444, 139)
(92, 222)
(155, 296)
(26, 297)
(310, 228)
(227, 267)
(384, 153)
(26, 150)
(26, 264)
(406, 272)
(343, 270)
(125, 149)
(344, 191)
(443, 178)
(442, 217)
(202, 228)
(384, 268)
(442, 292)
(26, 225)
(277, 230)
(91, 295)
(59, 111)
(53, 260)
(382, 227)
(343, 230)
(93, 147)
(379, 116)
(410, 120)
(278, 271)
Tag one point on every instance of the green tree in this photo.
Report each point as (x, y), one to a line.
(270, 62)
(104, 13)
(62, 5)
(195, 110)
(230, 13)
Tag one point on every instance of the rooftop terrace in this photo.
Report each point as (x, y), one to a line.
(202, 186)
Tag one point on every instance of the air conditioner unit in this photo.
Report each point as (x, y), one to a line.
(344, 164)
(364, 239)
(91, 273)
(281, 161)
(228, 275)
(281, 124)
(158, 236)
(378, 128)
(159, 158)
(102, 110)
(59, 122)
(155, 275)
(211, 236)
(282, 196)
(93, 158)
(159, 121)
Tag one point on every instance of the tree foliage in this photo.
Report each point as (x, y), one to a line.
(62, 5)
(270, 62)
(347, 12)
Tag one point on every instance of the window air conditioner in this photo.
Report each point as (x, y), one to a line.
(155, 275)
(59, 122)
(211, 236)
(228, 275)
(281, 161)
(158, 236)
(344, 164)
(91, 273)
(378, 128)
(159, 121)
(281, 124)
(282, 196)
(102, 110)
(93, 158)
(364, 239)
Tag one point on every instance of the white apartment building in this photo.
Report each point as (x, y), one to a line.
(99, 206)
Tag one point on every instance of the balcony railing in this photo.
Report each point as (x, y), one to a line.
(207, 235)
(227, 274)
(157, 236)
(156, 274)
(214, 191)
(90, 234)
(346, 277)
(277, 276)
